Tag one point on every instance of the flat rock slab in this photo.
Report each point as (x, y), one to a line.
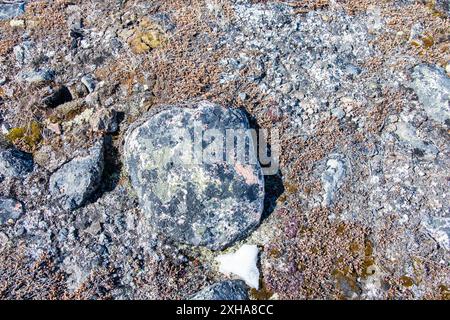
(201, 203)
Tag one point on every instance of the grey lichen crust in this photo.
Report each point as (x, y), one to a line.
(225, 290)
(193, 202)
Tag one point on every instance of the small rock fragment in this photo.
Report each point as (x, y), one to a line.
(89, 83)
(331, 179)
(15, 163)
(225, 290)
(10, 210)
(78, 179)
(242, 263)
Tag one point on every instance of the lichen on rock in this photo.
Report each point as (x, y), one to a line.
(202, 204)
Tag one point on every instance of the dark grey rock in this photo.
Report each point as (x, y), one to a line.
(443, 6)
(10, 209)
(76, 181)
(15, 163)
(11, 10)
(432, 86)
(225, 290)
(193, 202)
(58, 96)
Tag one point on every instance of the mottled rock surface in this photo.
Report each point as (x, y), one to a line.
(11, 10)
(195, 202)
(357, 88)
(76, 180)
(15, 163)
(10, 210)
(225, 290)
(432, 86)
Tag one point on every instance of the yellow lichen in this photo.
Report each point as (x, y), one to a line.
(145, 41)
(427, 41)
(146, 37)
(445, 292)
(406, 281)
(15, 133)
(30, 135)
(290, 187)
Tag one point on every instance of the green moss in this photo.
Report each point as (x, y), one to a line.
(30, 135)
(15, 133)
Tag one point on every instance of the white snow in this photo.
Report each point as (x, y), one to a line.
(242, 263)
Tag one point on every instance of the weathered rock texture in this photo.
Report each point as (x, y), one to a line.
(357, 88)
(225, 290)
(10, 210)
(15, 163)
(195, 202)
(76, 180)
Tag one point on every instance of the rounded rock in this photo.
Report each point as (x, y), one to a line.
(202, 203)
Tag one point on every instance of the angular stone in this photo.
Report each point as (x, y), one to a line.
(202, 203)
(15, 163)
(225, 290)
(76, 181)
(10, 210)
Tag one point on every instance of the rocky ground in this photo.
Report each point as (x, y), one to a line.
(358, 89)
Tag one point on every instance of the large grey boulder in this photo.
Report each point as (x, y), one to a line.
(225, 290)
(76, 181)
(10, 210)
(202, 203)
(432, 86)
(15, 163)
